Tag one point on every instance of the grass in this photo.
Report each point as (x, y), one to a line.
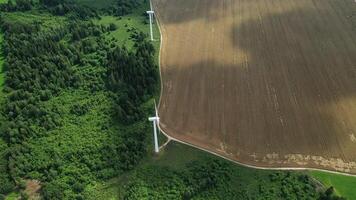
(137, 20)
(46, 20)
(3, 1)
(177, 156)
(12, 196)
(343, 185)
(170, 157)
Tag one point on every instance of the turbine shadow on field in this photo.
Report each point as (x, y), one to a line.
(186, 11)
(306, 59)
(249, 111)
(305, 48)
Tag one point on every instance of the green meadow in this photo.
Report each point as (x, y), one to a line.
(343, 185)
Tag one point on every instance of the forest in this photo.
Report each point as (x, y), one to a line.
(74, 105)
(45, 60)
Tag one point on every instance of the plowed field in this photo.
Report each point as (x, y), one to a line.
(270, 83)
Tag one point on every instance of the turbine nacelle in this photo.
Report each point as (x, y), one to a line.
(151, 119)
(155, 121)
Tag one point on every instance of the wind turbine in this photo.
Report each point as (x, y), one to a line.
(155, 121)
(151, 13)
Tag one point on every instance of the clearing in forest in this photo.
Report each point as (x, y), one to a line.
(270, 83)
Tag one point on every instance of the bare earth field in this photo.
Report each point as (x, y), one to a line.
(270, 83)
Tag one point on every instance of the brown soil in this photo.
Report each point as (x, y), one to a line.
(263, 82)
(33, 188)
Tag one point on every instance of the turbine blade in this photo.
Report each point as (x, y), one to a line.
(156, 108)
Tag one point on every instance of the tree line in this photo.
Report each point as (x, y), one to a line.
(133, 76)
(210, 178)
(63, 7)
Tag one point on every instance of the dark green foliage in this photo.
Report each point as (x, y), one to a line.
(17, 5)
(205, 176)
(133, 77)
(74, 10)
(51, 3)
(80, 30)
(68, 185)
(214, 179)
(38, 67)
(17, 28)
(123, 7)
(58, 126)
(24, 196)
(126, 6)
(181, 172)
(134, 146)
(112, 27)
(79, 110)
(6, 185)
(329, 195)
(155, 182)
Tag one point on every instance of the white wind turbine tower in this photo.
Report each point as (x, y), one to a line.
(151, 13)
(155, 121)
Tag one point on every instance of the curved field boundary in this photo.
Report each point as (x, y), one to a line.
(170, 138)
(253, 166)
